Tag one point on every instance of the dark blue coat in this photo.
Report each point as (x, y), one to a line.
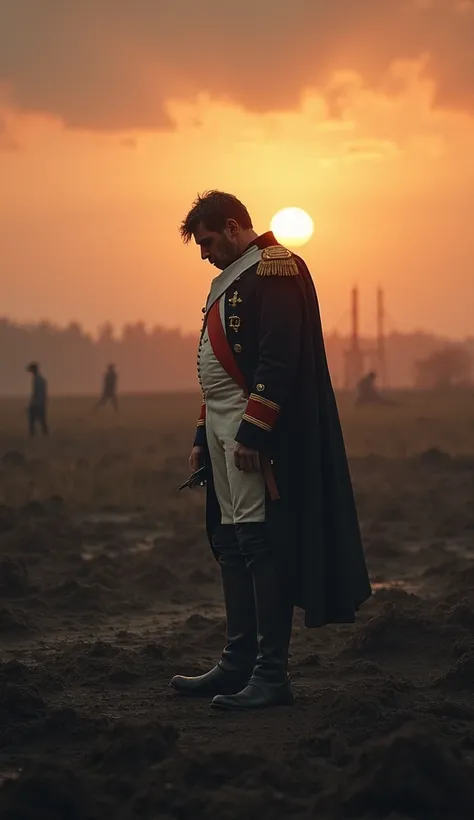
(273, 329)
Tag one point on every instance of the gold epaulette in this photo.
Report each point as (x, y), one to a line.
(277, 261)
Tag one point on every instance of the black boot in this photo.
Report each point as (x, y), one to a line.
(238, 658)
(270, 684)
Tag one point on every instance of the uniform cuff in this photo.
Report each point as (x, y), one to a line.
(258, 421)
(200, 437)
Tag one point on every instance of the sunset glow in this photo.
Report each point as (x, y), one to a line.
(371, 140)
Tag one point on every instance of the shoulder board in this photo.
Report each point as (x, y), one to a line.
(277, 261)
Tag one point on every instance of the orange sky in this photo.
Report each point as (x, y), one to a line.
(90, 207)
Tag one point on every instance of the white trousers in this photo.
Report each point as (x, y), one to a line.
(241, 495)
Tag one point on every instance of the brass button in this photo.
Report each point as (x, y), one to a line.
(238, 348)
(203, 310)
(260, 388)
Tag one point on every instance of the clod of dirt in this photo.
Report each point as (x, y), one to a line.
(157, 579)
(75, 596)
(133, 747)
(312, 659)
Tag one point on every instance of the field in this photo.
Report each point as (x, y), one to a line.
(108, 588)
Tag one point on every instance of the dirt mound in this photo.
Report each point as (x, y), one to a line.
(15, 622)
(47, 792)
(364, 708)
(131, 748)
(392, 629)
(13, 577)
(75, 596)
(460, 676)
(140, 769)
(157, 579)
(434, 457)
(462, 613)
(20, 705)
(100, 663)
(411, 772)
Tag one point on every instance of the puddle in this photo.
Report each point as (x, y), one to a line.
(411, 587)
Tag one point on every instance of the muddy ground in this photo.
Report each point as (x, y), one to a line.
(101, 604)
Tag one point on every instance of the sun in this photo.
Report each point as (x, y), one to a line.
(292, 226)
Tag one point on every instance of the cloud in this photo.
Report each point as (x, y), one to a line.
(113, 64)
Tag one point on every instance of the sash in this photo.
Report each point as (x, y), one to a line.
(228, 276)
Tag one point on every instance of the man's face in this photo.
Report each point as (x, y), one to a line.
(219, 248)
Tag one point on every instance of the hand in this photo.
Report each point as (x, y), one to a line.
(246, 459)
(196, 459)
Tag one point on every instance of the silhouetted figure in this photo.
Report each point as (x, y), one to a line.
(109, 389)
(38, 400)
(268, 399)
(367, 392)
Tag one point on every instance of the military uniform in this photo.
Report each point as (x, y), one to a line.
(288, 535)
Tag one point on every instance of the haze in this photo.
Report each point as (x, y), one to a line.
(114, 114)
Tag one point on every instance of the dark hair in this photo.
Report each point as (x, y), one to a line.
(213, 209)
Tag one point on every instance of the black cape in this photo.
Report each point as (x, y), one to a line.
(313, 527)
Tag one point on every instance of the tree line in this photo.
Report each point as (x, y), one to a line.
(163, 359)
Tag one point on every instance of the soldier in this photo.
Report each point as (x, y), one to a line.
(281, 516)
(38, 400)
(109, 389)
(367, 392)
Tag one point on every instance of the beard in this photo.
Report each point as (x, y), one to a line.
(225, 254)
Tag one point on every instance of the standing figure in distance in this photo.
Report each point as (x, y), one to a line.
(38, 400)
(281, 516)
(109, 388)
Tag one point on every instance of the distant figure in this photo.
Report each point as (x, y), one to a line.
(38, 400)
(367, 392)
(109, 389)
